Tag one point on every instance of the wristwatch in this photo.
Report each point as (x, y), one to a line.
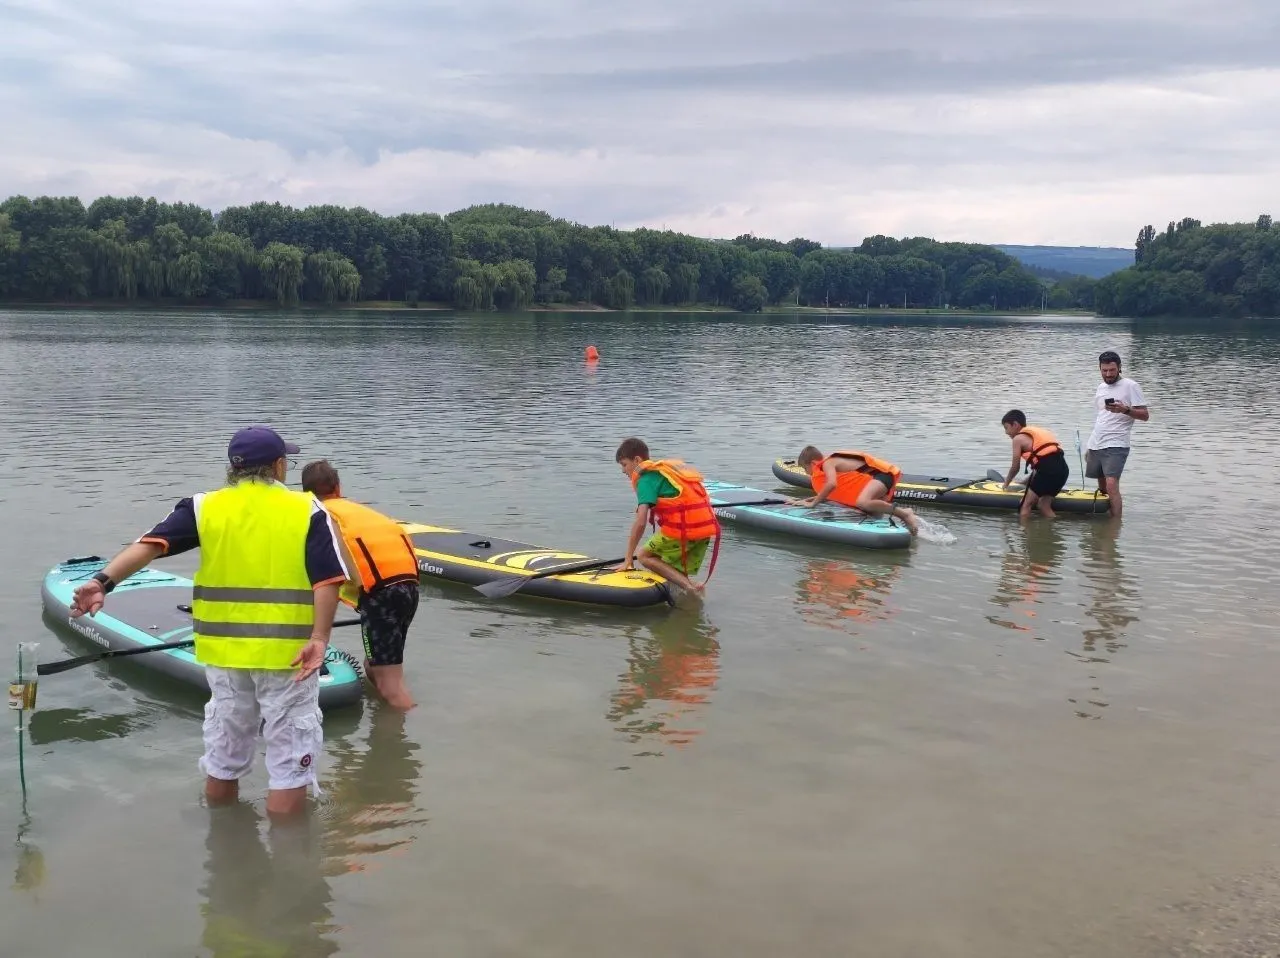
(105, 581)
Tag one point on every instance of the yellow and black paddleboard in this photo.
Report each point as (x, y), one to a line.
(981, 493)
(472, 559)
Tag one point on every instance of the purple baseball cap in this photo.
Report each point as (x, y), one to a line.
(258, 446)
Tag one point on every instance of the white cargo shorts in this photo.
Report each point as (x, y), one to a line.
(245, 701)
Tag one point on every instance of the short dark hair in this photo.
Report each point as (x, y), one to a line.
(320, 478)
(631, 448)
(1110, 356)
(807, 455)
(1014, 416)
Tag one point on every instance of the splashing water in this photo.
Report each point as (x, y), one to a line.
(935, 532)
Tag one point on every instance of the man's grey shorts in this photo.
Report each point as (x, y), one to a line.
(1105, 462)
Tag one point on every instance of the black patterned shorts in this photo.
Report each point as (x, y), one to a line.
(385, 615)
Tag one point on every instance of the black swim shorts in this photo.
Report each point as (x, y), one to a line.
(1050, 475)
(385, 615)
(883, 477)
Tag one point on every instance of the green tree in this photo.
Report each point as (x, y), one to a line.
(282, 268)
(749, 294)
(331, 278)
(654, 284)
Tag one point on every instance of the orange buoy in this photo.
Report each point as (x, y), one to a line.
(592, 353)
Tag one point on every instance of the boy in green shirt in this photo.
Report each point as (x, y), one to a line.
(673, 493)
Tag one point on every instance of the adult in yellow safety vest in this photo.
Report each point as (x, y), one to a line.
(262, 606)
(384, 579)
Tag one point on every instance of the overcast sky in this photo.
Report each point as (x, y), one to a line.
(1040, 121)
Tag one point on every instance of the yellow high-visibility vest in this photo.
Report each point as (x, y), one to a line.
(252, 606)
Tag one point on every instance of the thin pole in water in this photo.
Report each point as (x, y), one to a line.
(22, 696)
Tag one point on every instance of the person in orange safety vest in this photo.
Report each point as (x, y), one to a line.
(1043, 455)
(857, 479)
(670, 495)
(383, 586)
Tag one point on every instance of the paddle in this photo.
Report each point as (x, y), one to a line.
(995, 476)
(1080, 458)
(497, 588)
(52, 668)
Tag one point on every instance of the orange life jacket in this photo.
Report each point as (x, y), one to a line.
(850, 484)
(688, 514)
(381, 551)
(1043, 443)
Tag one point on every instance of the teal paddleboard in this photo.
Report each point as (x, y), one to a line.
(829, 522)
(148, 609)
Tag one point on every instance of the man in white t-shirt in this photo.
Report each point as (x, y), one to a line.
(1119, 401)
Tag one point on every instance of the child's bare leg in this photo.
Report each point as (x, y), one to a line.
(654, 564)
(1029, 501)
(389, 681)
(872, 500)
(1046, 507)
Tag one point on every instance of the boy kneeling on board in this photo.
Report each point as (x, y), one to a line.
(669, 494)
(856, 479)
(383, 586)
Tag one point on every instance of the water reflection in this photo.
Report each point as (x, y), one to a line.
(839, 594)
(1029, 575)
(671, 673)
(371, 800)
(83, 725)
(1115, 591)
(29, 870)
(264, 900)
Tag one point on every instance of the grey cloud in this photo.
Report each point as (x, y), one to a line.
(704, 103)
(826, 48)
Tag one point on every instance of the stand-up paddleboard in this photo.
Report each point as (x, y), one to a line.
(980, 493)
(143, 610)
(472, 559)
(829, 521)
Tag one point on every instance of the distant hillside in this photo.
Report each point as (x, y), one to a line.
(1094, 261)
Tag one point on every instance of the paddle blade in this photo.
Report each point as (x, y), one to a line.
(994, 476)
(497, 588)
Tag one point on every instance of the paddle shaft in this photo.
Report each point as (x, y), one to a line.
(496, 588)
(52, 668)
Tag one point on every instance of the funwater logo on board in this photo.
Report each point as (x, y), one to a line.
(427, 567)
(88, 631)
(913, 494)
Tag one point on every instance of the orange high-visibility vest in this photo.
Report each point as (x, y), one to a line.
(686, 515)
(379, 547)
(850, 484)
(1043, 443)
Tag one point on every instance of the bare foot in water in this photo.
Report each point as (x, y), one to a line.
(912, 523)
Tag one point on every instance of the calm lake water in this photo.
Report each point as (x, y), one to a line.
(1053, 740)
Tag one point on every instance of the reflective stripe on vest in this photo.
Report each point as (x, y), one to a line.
(252, 604)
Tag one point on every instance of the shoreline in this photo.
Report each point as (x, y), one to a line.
(394, 306)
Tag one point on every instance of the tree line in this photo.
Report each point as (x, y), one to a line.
(1221, 270)
(495, 256)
